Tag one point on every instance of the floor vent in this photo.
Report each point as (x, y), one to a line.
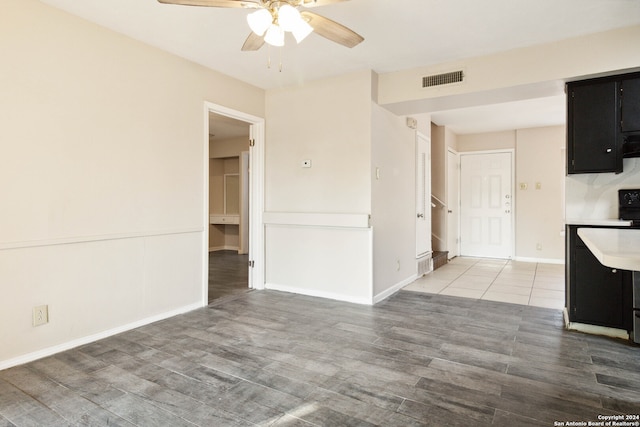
(442, 79)
(424, 266)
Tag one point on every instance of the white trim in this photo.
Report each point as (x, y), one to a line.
(316, 293)
(395, 288)
(598, 330)
(30, 357)
(97, 238)
(456, 209)
(593, 329)
(317, 219)
(256, 191)
(540, 260)
(223, 248)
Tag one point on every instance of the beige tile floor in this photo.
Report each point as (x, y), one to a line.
(537, 284)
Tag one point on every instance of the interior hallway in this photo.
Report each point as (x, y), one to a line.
(527, 283)
(228, 274)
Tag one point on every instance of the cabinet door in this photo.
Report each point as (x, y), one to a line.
(598, 291)
(630, 105)
(592, 128)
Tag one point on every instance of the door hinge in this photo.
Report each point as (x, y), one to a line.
(252, 142)
(251, 263)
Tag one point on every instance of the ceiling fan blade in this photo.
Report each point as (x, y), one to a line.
(316, 3)
(253, 42)
(332, 30)
(213, 3)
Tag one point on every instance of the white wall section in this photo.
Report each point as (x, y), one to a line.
(101, 179)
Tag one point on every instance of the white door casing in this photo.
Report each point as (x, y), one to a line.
(486, 204)
(453, 204)
(245, 177)
(256, 197)
(423, 195)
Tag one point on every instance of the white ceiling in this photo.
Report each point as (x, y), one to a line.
(399, 34)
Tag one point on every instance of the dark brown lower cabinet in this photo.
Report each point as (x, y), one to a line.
(596, 295)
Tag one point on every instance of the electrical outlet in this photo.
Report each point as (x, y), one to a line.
(40, 315)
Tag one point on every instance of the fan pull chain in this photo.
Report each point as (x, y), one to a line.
(269, 58)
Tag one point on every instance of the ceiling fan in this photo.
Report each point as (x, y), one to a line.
(272, 18)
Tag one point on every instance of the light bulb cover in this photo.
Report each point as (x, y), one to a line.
(274, 36)
(288, 17)
(302, 30)
(260, 21)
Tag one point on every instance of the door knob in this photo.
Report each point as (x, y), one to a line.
(450, 211)
(420, 215)
(507, 211)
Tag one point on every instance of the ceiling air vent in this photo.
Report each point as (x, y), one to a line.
(442, 79)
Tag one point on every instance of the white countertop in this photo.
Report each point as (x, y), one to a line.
(613, 247)
(599, 222)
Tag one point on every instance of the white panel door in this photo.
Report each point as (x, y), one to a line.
(453, 204)
(423, 195)
(486, 205)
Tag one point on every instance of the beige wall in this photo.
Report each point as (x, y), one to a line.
(540, 159)
(103, 142)
(231, 147)
(329, 123)
(487, 141)
(515, 74)
(393, 200)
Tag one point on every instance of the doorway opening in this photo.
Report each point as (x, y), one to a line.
(228, 206)
(233, 204)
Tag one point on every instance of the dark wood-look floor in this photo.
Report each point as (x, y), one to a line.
(228, 274)
(270, 358)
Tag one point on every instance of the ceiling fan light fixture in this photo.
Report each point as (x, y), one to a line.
(260, 21)
(274, 36)
(288, 17)
(302, 30)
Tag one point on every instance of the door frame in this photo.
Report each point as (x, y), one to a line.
(456, 208)
(511, 152)
(256, 196)
(423, 183)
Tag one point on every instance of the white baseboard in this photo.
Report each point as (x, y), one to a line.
(222, 248)
(593, 329)
(30, 357)
(392, 290)
(540, 260)
(317, 293)
(598, 330)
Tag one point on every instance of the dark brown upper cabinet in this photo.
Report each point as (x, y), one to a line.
(592, 127)
(630, 104)
(603, 123)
